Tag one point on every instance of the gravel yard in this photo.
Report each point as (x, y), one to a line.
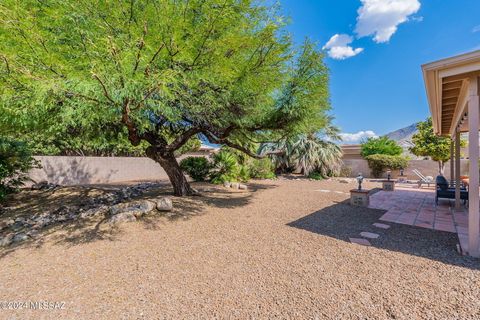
(278, 250)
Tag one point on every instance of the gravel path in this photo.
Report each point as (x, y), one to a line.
(279, 250)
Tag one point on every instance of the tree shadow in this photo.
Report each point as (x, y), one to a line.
(71, 171)
(343, 221)
(91, 229)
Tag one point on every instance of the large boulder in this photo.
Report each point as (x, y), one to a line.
(137, 208)
(164, 204)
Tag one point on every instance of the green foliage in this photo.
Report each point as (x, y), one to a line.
(380, 145)
(315, 175)
(230, 165)
(15, 162)
(307, 152)
(198, 168)
(225, 167)
(261, 169)
(378, 163)
(428, 144)
(155, 71)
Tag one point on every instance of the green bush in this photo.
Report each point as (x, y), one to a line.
(262, 169)
(381, 145)
(381, 162)
(15, 162)
(198, 168)
(230, 166)
(225, 167)
(315, 175)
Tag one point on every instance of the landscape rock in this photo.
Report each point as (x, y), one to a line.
(122, 217)
(19, 237)
(164, 204)
(137, 208)
(33, 234)
(235, 185)
(227, 184)
(103, 209)
(44, 185)
(7, 240)
(242, 187)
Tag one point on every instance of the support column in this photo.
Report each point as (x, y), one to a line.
(457, 169)
(473, 197)
(452, 160)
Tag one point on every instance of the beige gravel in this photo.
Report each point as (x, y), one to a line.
(279, 250)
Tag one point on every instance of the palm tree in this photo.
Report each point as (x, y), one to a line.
(309, 152)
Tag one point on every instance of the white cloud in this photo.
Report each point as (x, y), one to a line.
(358, 136)
(476, 29)
(380, 18)
(338, 47)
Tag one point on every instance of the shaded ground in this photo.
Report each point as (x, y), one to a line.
(278, 250)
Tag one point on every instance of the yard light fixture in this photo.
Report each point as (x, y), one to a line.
(359, 180)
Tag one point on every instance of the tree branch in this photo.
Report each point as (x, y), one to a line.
(147, 68)
(141, 45)
(183, 138)
(105, 92)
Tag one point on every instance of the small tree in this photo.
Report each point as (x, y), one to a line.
(428, 144)
(380, 145)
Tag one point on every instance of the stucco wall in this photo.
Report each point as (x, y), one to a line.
(89, 170)
(426, 167)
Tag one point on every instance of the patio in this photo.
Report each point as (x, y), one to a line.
(416, 207)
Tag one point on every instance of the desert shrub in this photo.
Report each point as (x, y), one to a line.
(15, 162)
(381, 145)
(345, 171)
(198, 168)
(225, 167)
(378, 163)
(262, 169)
(315, 175)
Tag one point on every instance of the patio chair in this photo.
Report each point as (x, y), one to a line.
(444, 191)
(423, 179)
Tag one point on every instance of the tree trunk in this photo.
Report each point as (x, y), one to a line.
(169, 163)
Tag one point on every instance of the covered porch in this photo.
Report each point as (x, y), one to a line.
(453, 87)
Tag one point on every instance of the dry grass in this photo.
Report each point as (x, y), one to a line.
(278, 250)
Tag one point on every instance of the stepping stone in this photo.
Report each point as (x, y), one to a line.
(369, 235)
(381, 225)
(360, 241)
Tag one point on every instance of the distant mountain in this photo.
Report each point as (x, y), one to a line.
(403, 136)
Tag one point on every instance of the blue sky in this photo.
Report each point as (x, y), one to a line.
(377, 84)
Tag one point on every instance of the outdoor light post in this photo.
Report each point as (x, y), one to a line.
(359, 180)
(359, 197)
(389, 184)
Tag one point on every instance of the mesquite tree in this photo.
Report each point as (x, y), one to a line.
(166, 71)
